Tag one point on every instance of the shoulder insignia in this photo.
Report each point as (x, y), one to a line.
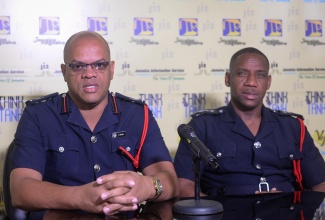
(285, 113)
(216, 111)
(129, 99)
(41, 99)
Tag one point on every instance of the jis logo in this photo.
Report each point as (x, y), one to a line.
(4, 25)
(313, 28)
(273, 28)
(45, 70)
(315, 102)
(154, 102)
(231, 27)
(319, 137)
(277, 100)
(143, 27)
(49, 25)
(97, 24)
(193, 102)
(188, 27)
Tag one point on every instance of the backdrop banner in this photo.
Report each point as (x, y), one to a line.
(172, 54)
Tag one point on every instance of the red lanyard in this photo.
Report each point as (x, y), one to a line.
(296, 163)
(135, 160)
(297, 199)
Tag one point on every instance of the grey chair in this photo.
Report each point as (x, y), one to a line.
(10, 211)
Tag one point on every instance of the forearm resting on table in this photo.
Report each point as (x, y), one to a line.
(320, 187)
(164, 171)
(30, 193)
(187, 188)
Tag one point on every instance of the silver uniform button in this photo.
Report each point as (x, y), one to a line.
(219, 154)
(257, 144)
(93, 139)
(61, 149)
(258, 166)
(96, 168)
(127, 148)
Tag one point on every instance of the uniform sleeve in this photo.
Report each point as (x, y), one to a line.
(183, 161)
(28, 144)
(184, 156)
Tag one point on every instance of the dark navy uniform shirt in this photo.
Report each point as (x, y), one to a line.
(60, 145)
(245, 160)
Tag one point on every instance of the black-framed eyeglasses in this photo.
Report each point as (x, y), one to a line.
(79, 68)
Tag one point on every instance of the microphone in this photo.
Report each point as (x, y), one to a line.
(187, 133)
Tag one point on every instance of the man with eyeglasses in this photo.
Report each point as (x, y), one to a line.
(89, 149)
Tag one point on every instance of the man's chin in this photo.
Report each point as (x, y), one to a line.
(249, 106)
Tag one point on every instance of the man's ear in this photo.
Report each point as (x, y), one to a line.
(227, 79)
(112, 67)
(63, 69)
(269, 80)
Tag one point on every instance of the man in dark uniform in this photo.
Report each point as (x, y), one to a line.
(255, 146)
(89, 149)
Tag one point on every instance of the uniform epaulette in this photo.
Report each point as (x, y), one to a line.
(41, 99)
(216, 111)
(129, 99)
(285, 113)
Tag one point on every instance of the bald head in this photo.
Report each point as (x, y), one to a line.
(83, 35)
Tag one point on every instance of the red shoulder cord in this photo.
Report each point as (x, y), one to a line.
(296, 163)
(297, 169)
(135, 160)
(297, 199)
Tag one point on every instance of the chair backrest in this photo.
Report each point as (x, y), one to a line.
(10, 211)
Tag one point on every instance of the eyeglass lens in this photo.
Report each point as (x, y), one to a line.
(81, 67)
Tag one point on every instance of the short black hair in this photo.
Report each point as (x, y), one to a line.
(244, 51)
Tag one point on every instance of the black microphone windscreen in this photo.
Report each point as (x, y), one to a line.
(183, 130)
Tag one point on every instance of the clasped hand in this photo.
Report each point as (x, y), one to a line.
(116, 192)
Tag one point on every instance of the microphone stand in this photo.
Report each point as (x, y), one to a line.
(197, 206)
(196, 169)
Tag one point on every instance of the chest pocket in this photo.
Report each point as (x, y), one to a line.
(289, 151)
(225, 152)
(62, 156)
(131, 146)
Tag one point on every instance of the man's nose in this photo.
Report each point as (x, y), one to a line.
(89, 72)
(251, 80)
